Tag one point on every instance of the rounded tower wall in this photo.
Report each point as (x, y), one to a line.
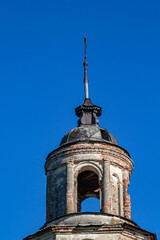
(111, 165)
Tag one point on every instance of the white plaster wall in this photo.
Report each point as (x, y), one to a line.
(88, 237)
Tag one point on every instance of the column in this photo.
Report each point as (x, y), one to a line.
(106, 188)
(126, 196)
(121, 212)
(70, 188)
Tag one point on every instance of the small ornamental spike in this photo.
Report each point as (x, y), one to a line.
(85, 64)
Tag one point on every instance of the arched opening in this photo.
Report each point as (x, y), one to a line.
(90, 205)
(88, 187)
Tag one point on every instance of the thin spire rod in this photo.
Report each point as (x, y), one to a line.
(85, 64)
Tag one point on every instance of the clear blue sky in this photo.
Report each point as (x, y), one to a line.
(41, 82)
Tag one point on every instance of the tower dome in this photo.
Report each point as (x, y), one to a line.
(89, 133)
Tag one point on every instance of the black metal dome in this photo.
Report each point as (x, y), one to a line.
(89, 133)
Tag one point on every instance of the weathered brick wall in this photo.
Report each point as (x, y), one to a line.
(56, 193)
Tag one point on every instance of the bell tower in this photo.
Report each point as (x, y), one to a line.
(89, 162)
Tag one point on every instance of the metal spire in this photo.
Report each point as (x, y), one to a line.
(85, 64)
(88, 113)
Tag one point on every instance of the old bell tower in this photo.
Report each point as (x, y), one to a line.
(88, 163)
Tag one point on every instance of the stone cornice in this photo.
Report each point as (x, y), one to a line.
(70, 144)
(125, 229)
(106, 151)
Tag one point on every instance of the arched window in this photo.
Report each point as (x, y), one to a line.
(88, 187)
(90, 205)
